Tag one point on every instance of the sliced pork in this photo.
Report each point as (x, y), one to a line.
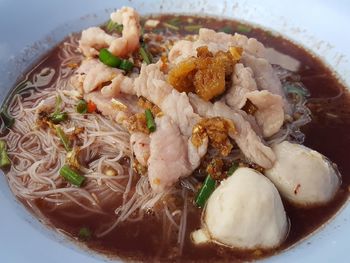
(92, 75)
(215, 41)
(243, 82)
(255, 72)
(265, 77)
(248, 141)
(94, 38)
(168, 159)
(130, 39)
(270, 114)
(173, 131)
(152, 85)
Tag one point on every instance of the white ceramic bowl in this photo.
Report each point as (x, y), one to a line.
(30, 28)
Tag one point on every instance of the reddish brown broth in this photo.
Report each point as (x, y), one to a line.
(326, 134)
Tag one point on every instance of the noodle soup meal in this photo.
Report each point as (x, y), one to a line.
(178, 138)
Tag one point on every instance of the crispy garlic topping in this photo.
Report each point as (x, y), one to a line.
(146, 104)
(217, 129)
(205, 74)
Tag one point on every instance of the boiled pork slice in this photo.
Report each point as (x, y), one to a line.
(247, 140)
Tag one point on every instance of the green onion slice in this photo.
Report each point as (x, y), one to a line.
(226, 29)
(64, 139)
(4, 158)
(2, 145)
(206, 190)
(6, 118)
(175, 21)
(296, 89)
(71, 176)
(84, 233)
(192, 28)
(151, 125)
(58, 104)
(82, 107)
(243, 28)
(145, 55)
(113, 27)
(126, 65)
(170, 26)
(109, 59)
(232, 169)
(58, 117)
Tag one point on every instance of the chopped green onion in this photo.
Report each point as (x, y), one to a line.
(71, 176)
(84, 233)
(4, 159)
(175, 21)
(226, 29)
(145, 55)
(109, 59)
(192, 28)
(296, 89)
(270, 33)
(6, 118)
(113, 27)
(170, 26)
(126, 65)
(206, 190)
(243, 28)
(232, 169)
(58, 117)
(151, 125)
(63, 137)
(82, 107)
(58, 104)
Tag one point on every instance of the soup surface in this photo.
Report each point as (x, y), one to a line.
(154, 238)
